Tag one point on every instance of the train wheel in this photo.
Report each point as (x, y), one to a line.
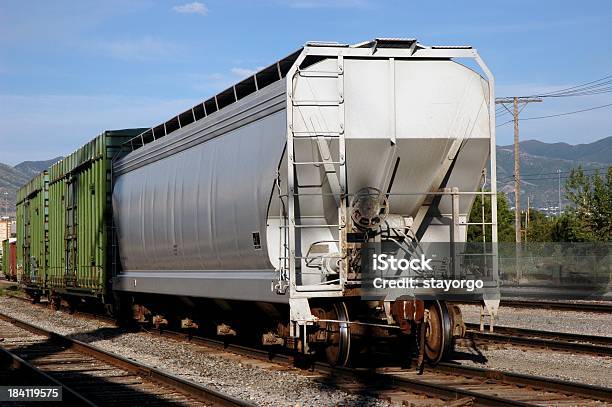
(438, 335)
(339, 334)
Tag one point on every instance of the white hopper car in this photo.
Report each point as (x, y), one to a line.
(251, 196)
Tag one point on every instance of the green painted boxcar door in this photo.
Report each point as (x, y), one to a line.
(71, 232)
(27, 243)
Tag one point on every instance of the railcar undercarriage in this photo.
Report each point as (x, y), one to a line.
(348, 332)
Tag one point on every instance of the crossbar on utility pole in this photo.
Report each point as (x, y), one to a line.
(516, 101)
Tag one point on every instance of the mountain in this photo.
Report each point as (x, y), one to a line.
(541, 162)
(32, 168)
(12, 178)
(598, 151)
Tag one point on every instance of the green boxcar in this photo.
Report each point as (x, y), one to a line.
(80, 216)
(32, 232)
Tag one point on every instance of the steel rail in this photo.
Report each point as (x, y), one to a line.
(603, 307)
(434, 388)
(24, 369)
(423, 385)
(562, 306)
(415, 384)
(568, 342)
(589, 391)
(364, 375)
(185, 387)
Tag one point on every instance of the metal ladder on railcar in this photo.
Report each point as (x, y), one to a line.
(70, 232)
(292, 261)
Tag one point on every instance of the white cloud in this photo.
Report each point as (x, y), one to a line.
(245, 72)
(214, 76)
(146, 48)
(192, 8)
(216, 82)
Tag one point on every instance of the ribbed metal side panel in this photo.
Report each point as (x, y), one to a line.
(55, 270)
(32, 210)
(79, 215)
(20, 231)
(187, 206)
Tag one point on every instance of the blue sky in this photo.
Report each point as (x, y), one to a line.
(70, 69)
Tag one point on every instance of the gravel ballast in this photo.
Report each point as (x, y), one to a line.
(566, 366)
(585, 323)
(559, 365)
(265, 387)
(291, 387)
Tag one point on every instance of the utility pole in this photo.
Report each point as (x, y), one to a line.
(482, 206)
(6, 205)
(516, 103)
(517, 173)
(527, 219)
(559, 207)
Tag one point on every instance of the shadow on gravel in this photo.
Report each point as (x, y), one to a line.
(366, 382)
(100, 382)
(369, 383)
(475, 355)
(365, 387)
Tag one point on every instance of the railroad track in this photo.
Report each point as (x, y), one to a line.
(14, 371)
(453, 384)
(601, 307)
(90, 376)
(559, 341)
(446, 384)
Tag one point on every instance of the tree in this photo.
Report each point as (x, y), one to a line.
(505, 219)
(564, 228)
(540, 227)
(591, 210)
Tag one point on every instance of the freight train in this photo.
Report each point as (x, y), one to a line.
(248, 214)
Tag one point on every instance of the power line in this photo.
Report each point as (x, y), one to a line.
(567, 113)
(558, 115)
(555, 172)
(598, 86)
(504, 123)
(584, 93)
(589, 173)
(543, 178)
(539, 179)
(579, 88)
(501, 112)
(576, 86)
